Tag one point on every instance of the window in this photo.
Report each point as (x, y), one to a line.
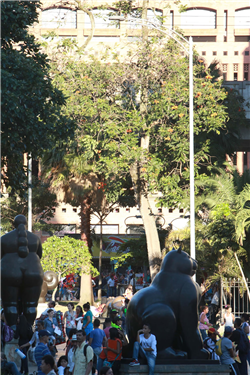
(171, 19)
(117, 210)
(203, 53)
(198, 19)
(242, 38)
(181, 210)
(127, 209)
(74, 209)
(102, 20)
(59, 18)
(224, 67)
(235, 67)
(53, 210)
(152, 15)
(224, 74)
(64, 210)
(246, 53)
(235, 76)
(224, 53)
(214, 53)
(159, 210)
(242, 19)
(236, 53)
(170, 210)
(204, 39)
(246, 71)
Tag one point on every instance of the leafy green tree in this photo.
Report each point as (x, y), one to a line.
(31, 119)
(67, 255)
(105, 99)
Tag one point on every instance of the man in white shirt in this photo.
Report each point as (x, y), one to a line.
(111, 287)
(146, 346)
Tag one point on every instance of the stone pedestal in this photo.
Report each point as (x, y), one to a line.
(40, 308)
(178, 369)
(9, 351)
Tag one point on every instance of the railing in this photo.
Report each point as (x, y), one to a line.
(234, 293)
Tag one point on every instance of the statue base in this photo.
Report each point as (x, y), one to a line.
(178, 369)
(9, 351)
(41, 307)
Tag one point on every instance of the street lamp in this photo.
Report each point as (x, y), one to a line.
(187, 46)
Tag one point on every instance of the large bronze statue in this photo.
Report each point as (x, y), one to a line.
(22, 274)
(170, 307)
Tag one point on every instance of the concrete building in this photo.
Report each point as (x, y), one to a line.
(220, 30)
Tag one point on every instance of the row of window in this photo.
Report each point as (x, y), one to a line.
(236, 71)
(117, 210)
(225, 53)
(191, 19)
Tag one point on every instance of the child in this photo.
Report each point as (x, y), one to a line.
(62, 364)
(146, 345)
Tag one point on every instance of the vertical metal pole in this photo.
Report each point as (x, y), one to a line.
(29, 193)
(191, 152)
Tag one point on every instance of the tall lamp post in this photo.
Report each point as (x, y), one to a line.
(187, 46)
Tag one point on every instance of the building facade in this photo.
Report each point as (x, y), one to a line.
(220, 31)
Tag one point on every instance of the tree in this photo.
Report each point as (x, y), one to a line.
(66, 255)
(107, 106)
(31, 119)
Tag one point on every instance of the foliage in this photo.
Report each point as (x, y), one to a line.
(31, 119)
(66, 255)
(43, 202)
(221, 227)
(134, 252)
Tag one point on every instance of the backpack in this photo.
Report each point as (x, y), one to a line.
(94, 358)
(218, 347)
(7, 333)
(243, 345)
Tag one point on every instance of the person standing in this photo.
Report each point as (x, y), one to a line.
(228, 316)
(111, 287)
(97, 338)
(87, 324)
(242, 344)
(71, 353)
(42, 349)
(215, 302)
(228, 351)
(107, 327)
(23, 334)
(47, 365)
(69, 317)
(83, 363)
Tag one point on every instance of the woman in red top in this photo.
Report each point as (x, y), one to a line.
(113, 351)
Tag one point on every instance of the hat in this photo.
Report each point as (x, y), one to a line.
(74, 338)
(117, 318)
(228, 329)
(43, 333)
(212, 330)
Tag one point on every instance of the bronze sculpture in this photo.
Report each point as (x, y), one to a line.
(21, 272)
(50, 282)
(170, 307)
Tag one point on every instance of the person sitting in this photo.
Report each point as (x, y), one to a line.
(210, 343)
(204, 322)
(47, 365)
(113, 352)
(146, 346)
(8, 367)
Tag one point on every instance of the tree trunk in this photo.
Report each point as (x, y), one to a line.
(100, 265)
(86, 290)
(153, 243)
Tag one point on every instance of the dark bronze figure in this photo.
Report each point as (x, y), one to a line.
(170, 307)
(21, 272)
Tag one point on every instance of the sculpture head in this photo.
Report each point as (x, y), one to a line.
(180, 262)
(20, 219)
